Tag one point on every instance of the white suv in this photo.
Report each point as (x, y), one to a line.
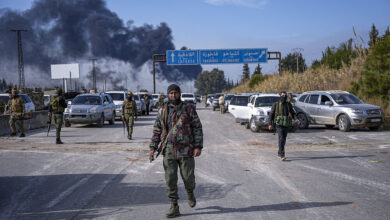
(259, 110)
(188, 98)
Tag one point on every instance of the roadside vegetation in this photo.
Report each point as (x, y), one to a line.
(363, 71)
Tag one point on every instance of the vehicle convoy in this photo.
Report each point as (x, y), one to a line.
(188, 98)
(259, 110)
(238, 107)
(337, 108)
(118, 97)
(28, 104)
(89, 109)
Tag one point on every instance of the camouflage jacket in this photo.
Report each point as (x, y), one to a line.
(129, 108)
(186, 135)
(16, 106)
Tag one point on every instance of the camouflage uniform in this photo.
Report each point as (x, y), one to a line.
(17, 112)
(185, 137)
(57, 107)
(147, 103)
(160, 100)
(2, 107)
(129, 110)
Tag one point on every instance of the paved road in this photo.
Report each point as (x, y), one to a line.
(99, 174)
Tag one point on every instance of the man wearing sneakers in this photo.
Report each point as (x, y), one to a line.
(281, 116)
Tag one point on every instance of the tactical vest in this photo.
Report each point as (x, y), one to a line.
(55, 104)
(129, 107)
(17, 105)
(280, 119)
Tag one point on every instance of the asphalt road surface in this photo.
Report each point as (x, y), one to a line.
(99, 174)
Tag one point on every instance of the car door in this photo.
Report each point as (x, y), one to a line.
(232, 107)
(251, 106)
(325, 113)
(312, 106)
(242, 108)
(106, 107)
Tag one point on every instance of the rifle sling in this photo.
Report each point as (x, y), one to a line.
(162, 146)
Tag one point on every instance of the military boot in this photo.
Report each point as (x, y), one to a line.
(22, 135)
(191, 199)
(58, 141)
(12, 135)
(173, 211)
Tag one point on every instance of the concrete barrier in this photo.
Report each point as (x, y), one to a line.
(38, 120)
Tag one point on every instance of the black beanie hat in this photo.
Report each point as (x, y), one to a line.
(173, 87)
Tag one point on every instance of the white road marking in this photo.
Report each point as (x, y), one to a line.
(351, 179)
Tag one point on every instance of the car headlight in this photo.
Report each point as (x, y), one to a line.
(93, 110)
(260, 112)
(357, 111)
(68, 110)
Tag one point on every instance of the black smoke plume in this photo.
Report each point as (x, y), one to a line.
(67, 31)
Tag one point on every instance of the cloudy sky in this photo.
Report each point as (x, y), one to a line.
(279, 25)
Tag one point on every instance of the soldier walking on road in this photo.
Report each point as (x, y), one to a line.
(221, 101)
(129, 113)
(56, 108)
(17, 112)
(179, 129)
(161, 100)
(281, 116)
(147, 103)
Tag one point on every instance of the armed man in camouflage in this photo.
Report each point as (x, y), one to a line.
(179, 130)
(17, 112)
(147, 103)
(281, 116)
(161, 100)
(129, 112)
(57, 107)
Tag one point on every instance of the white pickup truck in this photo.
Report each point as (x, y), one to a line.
(259, 109)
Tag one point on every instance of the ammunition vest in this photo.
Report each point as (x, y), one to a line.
(17, 105)
(280, 119)
(55, 104)
(129, 107)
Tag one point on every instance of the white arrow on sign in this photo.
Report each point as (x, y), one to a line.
(173, 56)
(262, 54)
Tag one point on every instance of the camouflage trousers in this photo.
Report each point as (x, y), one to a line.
(171, 165)
(129, 122)
(14, 119)
(58, 120)
(222, 108)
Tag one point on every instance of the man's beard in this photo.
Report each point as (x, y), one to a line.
(175, 101)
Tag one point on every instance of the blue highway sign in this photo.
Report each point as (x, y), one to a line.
(225, 56)
(182, 57)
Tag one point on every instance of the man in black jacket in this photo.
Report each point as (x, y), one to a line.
(281, 116)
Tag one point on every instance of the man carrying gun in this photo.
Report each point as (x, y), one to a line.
(179, 130)
(56, 108)
(129, 111)
(281, 116)
(17, 112)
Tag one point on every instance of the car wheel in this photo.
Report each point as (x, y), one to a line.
(253, 126)
(376, 128)
(67, 124)
(344, 123)
(329, 126)
(303, 122)
(112, 121)
(101, 121)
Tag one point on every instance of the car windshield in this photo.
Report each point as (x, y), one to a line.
(228, 97)
(155, 96)
(46, 98)
(117, 96)
(345, 99)
(136, 97)
(187, 96)
(242, 100)
(87, 100)
(266, 101)
(5, 99)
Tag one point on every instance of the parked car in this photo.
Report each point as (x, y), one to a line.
(210, 99)
(188, 98)
(331, 108)
(118, 97)
(228, 98)
(141, 107)
(89, 109)
(215, 102)
(238, 107)
(259, 110)
(28, 104)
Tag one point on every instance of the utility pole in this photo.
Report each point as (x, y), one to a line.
(297, 52)
(93, 74)
(22, 81)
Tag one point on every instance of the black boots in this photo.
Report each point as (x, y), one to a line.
(58, 141)
(173, 211)
(191, 199)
